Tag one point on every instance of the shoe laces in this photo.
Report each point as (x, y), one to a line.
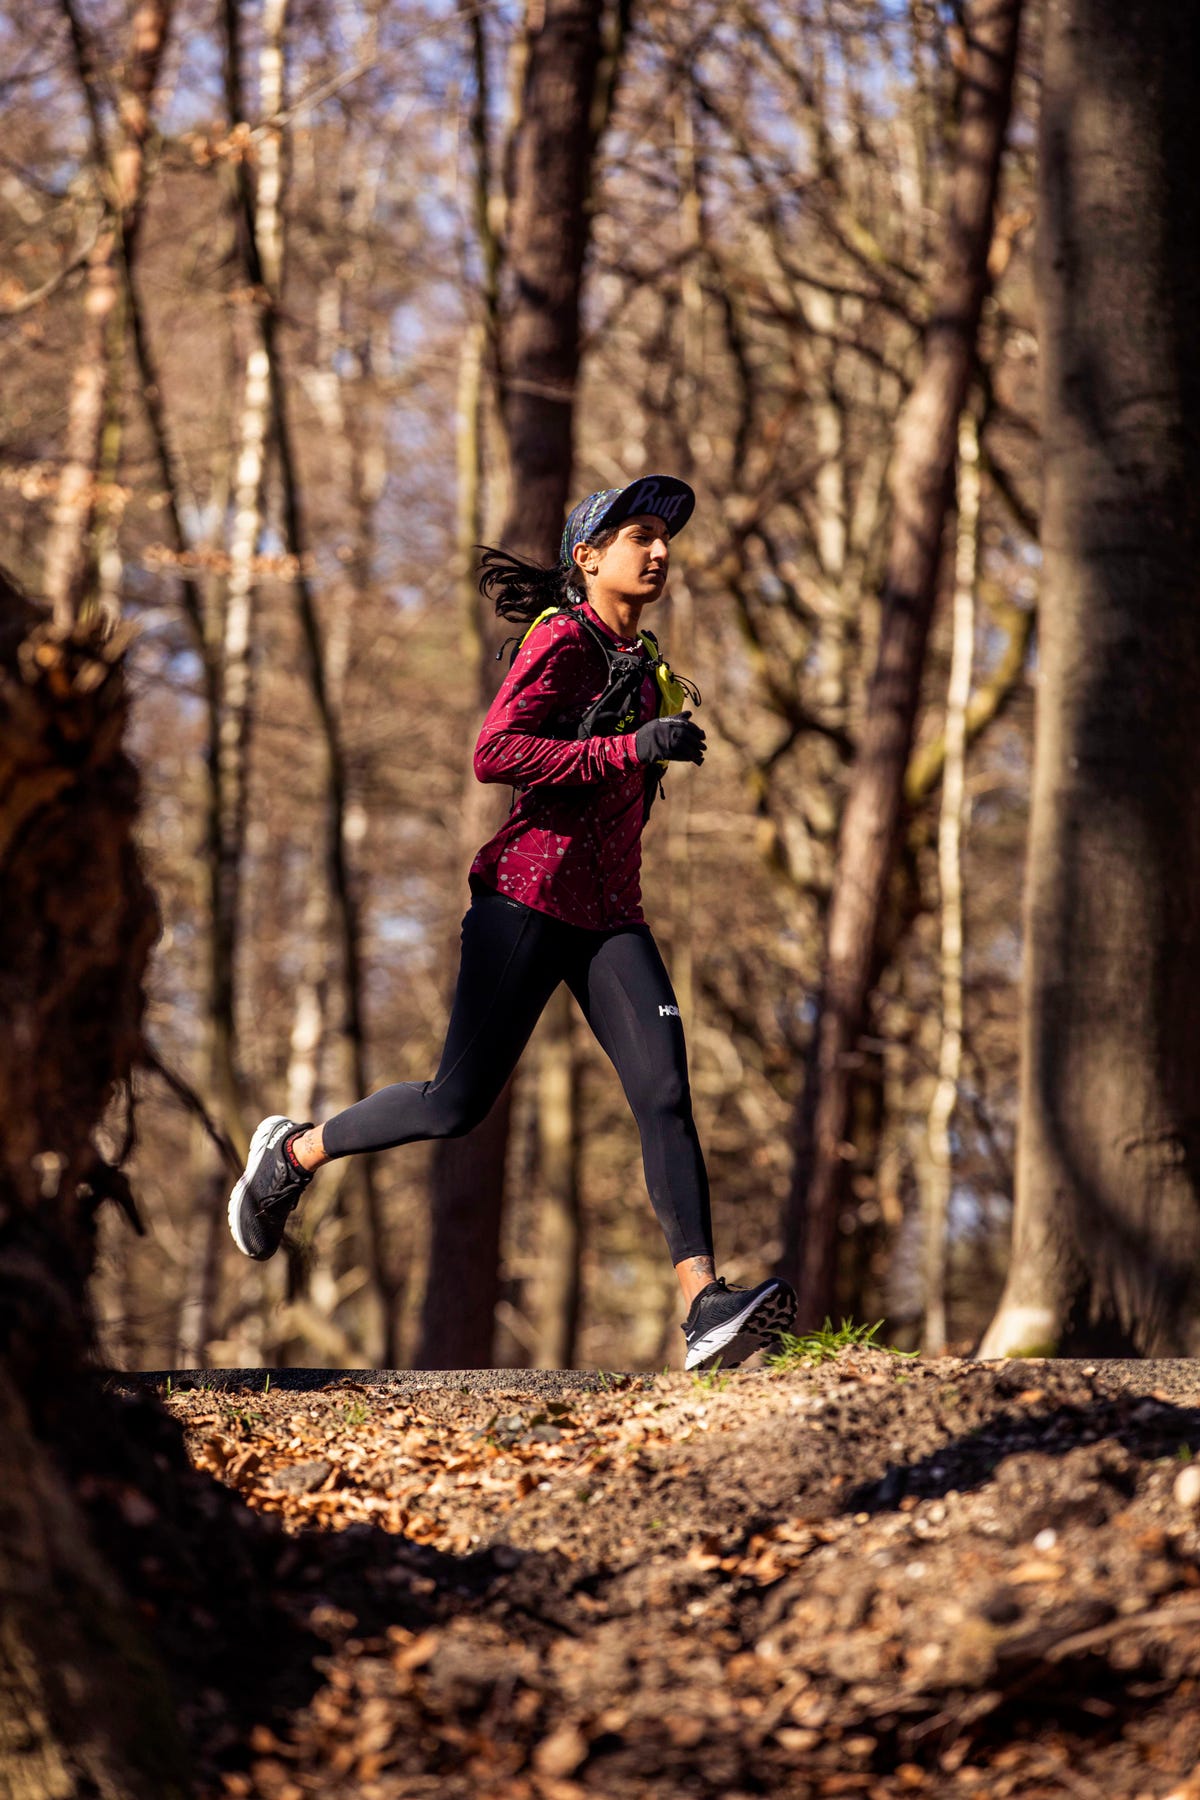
(286, 1195)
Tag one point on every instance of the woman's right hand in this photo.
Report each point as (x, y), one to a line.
(674, 739)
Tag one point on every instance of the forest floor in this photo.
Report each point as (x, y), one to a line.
(875, 1577)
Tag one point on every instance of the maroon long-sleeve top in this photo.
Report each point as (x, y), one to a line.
(572, 844)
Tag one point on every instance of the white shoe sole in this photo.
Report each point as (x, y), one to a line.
(756, 1326)
(260, 1143)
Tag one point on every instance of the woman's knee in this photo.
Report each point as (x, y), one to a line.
(453, 1112)
(667, 1099)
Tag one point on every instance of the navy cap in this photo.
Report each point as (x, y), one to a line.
(668, 498)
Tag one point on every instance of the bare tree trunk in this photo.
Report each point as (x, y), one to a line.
(236, 680)
(69, 563)
(65, 570)
(233, 650)
(922, 472)
(1107, 1226)
(950, 830)
(556, 1289)
(233, 743)
(263, 253)
(320, 1072)
(548, 229)
(547, 232)
(202, 621)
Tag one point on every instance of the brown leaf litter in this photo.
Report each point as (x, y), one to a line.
(874, 1578)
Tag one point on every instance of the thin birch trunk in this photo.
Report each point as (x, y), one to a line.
(67, 565)
(313, 989)
(950, 835)
(264, 254)
(682, 608)
(108, 564)
(233, 744)
(321, 1073)
(829, 497)
(235, 662)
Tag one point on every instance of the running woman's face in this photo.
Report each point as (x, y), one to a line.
(633, 566)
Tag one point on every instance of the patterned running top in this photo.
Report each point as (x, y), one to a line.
(572, 844)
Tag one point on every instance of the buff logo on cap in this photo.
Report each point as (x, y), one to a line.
(646, 498)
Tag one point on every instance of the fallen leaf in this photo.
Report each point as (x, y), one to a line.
(561, 1753)
(1037, 1569)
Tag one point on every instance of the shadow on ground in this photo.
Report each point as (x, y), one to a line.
(975, 1582)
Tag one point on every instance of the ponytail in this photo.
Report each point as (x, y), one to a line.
(520, 590)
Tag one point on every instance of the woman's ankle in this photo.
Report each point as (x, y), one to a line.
(694, 1274)
(308, 1148)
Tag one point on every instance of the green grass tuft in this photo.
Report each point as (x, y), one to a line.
(817, 1347)
(712, 1381)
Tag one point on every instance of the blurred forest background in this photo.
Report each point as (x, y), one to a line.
(264, 273)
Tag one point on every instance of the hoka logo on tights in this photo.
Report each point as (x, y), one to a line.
(668, 1012)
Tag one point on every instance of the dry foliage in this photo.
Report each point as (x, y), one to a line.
(870, 1578)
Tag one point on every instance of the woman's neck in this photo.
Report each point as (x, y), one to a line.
(619, 614)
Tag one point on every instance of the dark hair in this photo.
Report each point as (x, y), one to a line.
(520, 589)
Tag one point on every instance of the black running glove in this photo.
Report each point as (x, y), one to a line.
(675, 739)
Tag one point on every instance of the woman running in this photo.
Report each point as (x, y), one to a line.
(581, 728)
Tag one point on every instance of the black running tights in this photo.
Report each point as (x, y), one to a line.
(513, 958)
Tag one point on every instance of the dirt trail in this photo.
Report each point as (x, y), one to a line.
(877, 1577)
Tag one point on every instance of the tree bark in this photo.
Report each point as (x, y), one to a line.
(548, 231)
(83, 1705)
(68, 569)
(922, 473)
(1107, 1225)
(263, 252)
(556, 1289)
(538, 359)
(940, 1176)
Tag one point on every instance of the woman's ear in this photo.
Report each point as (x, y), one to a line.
(585, 558)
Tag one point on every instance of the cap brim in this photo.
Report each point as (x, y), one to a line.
(665, 496)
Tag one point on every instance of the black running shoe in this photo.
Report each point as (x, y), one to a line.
(728, 1324)
(269, 1190)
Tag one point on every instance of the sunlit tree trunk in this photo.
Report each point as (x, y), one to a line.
(950, 831)
(69, 569)
(1107, 1227)
(234, 655)
(68, 544)
(233, 745)
(922, 472)
(236, 684)
(263, 248)
(321, 1065)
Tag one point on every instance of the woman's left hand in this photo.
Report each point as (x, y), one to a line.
(675, 739)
